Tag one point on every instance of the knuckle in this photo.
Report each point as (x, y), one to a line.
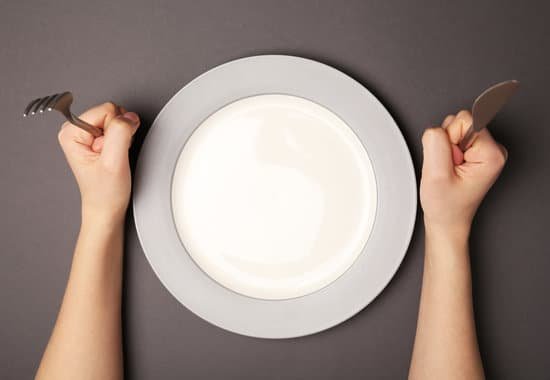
(430, 134)
(426, 136)
(497, 156)
(448, 117)
(448, 120)
(117, 123)
(465, 116)
(464, 113)
(504, 152)
(109, 106)
(120, 127)
(501, 158)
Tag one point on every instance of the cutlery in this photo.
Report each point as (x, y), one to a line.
(485, 107)
(62, 103)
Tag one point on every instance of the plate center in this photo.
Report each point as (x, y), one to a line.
(274, 196)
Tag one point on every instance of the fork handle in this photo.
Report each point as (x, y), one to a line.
(73, 119)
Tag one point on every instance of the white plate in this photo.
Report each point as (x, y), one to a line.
(257, 204)
(274, 196)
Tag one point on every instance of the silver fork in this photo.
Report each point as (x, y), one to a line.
(62, 103)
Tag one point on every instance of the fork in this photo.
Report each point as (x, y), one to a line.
(62, 103)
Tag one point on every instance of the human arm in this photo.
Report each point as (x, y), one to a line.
(86, 342)
(452, 187)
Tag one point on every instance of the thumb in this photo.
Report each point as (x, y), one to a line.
(438, 154)
(118, 137)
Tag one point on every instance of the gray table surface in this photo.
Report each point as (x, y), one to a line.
(422, 59)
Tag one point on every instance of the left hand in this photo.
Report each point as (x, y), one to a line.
(101, 165)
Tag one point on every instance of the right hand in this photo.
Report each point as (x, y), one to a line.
(454, 183)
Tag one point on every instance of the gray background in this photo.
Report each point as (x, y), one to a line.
(422, 59)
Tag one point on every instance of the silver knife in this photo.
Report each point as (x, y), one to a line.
(485, 107)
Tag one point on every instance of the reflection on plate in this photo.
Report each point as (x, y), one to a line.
(274, 196)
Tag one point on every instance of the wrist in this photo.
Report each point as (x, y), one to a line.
(101, 237)
(446, 247)
(456, 232)
(102, 217)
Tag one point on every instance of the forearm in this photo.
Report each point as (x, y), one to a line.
(446, 344)
(86, 341)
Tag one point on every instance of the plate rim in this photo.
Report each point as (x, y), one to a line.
(412, 198)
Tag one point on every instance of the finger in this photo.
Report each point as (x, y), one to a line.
(482, 143)
(448, 120)
(97, 116)
(118, 137)
(458, 127)
(503, 150)
(458, 155)
(71, 145)
(438, 158)
(101, 115)
(69, 134)
(486, 150)
(97, 145)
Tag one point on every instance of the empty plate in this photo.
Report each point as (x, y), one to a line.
(274, 196)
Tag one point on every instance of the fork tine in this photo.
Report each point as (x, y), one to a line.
(39, 104)
(46, 102)
(29, 106)
(49, 106)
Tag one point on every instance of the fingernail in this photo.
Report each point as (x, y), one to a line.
(132, 116)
